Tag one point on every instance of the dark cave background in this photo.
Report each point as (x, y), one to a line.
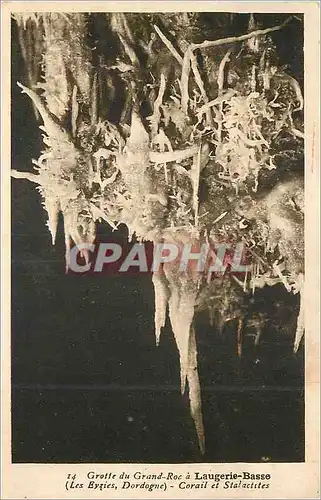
(88, 382)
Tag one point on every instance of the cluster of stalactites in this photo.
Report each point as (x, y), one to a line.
(58, 168)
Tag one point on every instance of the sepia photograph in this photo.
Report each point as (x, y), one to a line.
(160, 275)
(157, 164)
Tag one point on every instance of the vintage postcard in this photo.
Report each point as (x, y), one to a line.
(160, 191)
